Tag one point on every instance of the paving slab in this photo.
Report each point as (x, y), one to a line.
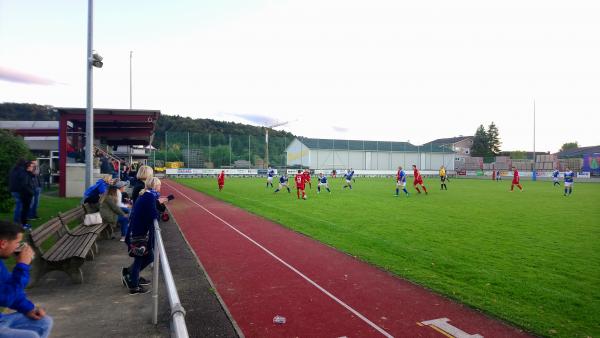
(102, 307)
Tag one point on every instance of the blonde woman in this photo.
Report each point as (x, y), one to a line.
(111, 212)
(141, 226)
(144, 173)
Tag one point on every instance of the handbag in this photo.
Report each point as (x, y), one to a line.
(138, 246)
(93, 218)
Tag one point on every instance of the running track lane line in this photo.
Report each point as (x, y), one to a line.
(329, 294)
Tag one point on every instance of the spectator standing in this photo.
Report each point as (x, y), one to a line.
(115, 164)
(15, 180)
(45, 174)
(142, 225)
(105, 165)
(144, 172)
(37, 189)
(28, 320)
(27, 191)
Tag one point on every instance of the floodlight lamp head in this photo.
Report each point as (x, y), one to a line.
(97, 60)
(97, 57)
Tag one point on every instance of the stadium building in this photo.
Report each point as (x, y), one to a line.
(373, 155)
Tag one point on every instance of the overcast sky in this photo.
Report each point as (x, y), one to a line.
(376, 70)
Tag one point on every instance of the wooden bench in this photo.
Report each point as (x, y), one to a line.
(67, 253)
(76, 215)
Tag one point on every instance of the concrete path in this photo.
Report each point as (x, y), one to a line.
(102, 307)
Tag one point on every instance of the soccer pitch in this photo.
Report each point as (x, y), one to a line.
(531, 258)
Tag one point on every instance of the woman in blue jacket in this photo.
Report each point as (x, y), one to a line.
(141, 224)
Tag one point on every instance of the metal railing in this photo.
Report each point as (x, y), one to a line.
(178, 326)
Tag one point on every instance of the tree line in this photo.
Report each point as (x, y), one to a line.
(220, 152)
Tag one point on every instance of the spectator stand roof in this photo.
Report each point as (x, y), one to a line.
(113, 127)
(31, 128)
(116, 126)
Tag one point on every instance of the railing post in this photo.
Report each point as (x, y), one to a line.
(178, 326)
(155, 273)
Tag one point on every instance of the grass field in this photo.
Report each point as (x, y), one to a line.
(531, 258)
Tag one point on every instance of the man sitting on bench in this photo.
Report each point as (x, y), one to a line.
(29, 320)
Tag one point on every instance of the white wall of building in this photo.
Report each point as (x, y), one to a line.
(299, 154)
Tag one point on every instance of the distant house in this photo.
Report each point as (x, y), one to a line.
(460, 145)
(578, 152)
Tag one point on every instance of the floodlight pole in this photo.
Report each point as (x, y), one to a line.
(130, 81)
(89, 114)
(534, 174)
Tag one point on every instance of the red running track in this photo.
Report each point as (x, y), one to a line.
(261, 269)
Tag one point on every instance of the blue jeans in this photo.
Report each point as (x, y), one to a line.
(139, 264)
(17, 325)
(18, 207)
(34, 203)
(124, 223)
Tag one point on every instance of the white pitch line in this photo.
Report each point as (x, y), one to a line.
(329, 294)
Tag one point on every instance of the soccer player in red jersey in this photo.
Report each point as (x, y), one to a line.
(221, 180)
(418, 180)
(306, 175)
(516, 180)
(299, 179)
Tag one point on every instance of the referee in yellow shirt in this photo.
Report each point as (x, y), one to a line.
(443, 178)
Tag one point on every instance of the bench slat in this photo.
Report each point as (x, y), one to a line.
(70, 246)
(45, 231)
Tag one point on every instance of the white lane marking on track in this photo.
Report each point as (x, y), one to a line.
(329, 294)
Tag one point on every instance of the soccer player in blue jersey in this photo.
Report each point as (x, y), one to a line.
(401, 181)
(283, 182)
(270, 175)
(322, 182)
(348, 176)
(555, 175)
(569, 175)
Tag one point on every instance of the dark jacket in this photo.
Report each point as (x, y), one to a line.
(141, 220)
(105, 166)
(28, 187)
(137, 187)
(12, 288)
(35, 179)
(15, 179)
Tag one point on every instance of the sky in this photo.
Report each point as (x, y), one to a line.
(387, 70)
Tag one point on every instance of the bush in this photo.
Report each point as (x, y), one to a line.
(12, 148)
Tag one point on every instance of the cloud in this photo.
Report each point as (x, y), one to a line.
(257, 119)
(339, 129)
(10, 75)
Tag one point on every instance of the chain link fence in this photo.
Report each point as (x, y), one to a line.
(218, 150)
